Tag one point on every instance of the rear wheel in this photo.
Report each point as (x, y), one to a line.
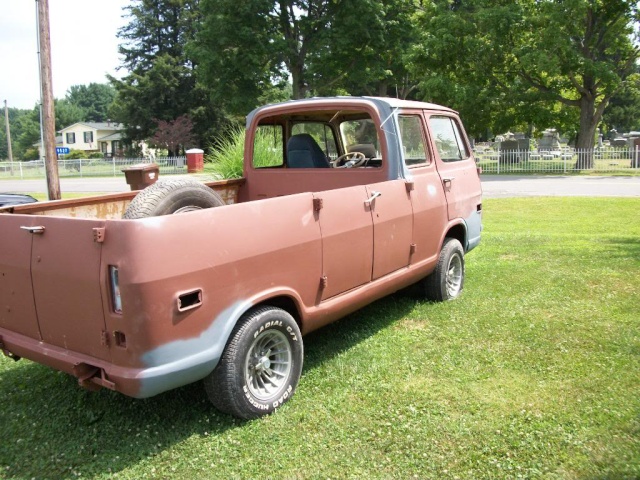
(260, 367)
(447, 280)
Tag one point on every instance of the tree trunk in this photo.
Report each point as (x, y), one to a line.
(589, 120)
(297, 82)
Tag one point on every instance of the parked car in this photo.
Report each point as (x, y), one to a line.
(9, 199)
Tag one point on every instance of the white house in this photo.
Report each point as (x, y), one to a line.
(93, 137)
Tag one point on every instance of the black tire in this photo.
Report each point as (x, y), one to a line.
(447, 280)
(167, 197)
(252, 379)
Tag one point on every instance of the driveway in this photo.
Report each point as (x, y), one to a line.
(493, 186)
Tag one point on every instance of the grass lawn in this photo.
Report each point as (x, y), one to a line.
(533, 373)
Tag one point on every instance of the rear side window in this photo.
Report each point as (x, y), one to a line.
(448, 139)
(413, 148)
(268, 147)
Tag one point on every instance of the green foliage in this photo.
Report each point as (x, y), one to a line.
(161, 84)
(532, 373)
(67, 113)
(623, 111)
(26, 132)
(528, 63)
(226, 159)
(94, 100)
(76, 155)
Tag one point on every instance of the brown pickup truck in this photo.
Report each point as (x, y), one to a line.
(343, 201)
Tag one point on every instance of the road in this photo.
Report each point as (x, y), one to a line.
(493, 186)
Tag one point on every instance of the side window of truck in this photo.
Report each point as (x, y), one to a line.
(322, 134)
(448, 139)
(413, 147)
(268, 146)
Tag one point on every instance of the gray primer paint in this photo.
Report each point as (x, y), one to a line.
(182, 362)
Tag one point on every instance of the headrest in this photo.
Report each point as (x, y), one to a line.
(367, 149)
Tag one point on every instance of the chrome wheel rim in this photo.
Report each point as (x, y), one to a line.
(188, 208)
(454, 276)
(268, 365)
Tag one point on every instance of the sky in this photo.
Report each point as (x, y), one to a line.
(84, 46)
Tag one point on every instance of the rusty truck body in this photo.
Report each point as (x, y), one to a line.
(343, 201)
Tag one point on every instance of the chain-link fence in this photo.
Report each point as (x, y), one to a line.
(93, 167)
(561, 161)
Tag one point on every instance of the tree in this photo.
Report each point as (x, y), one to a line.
(161, 85)
(539, 54)
(67, 113)
(93, 99)
(174, 134)
(321, 46)
(623, 111)
(365, 50)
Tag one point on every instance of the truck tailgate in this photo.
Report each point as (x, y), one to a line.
(60, 279)
(17, 307)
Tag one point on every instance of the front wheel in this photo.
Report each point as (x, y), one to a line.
(260, 367)
(446, 281)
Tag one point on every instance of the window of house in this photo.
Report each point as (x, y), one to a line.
(71, 137)
(88, 137)
(268, 146)
(413, 147)
(448, 139)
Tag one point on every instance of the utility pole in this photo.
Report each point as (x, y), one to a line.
(8, 128)
(46, 90)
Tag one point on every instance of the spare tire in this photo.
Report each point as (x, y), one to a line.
(167, 197)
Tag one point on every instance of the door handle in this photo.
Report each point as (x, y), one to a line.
(38, 230)
(446, 183)
(373, 196)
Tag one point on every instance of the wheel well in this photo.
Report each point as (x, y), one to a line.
(285, 303)
(459, 232)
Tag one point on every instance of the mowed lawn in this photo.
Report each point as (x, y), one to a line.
(533, 373)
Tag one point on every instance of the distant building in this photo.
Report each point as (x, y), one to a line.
(94, 137)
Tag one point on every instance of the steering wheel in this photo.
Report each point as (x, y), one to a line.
(350, 159)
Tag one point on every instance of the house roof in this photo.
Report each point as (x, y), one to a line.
(108, 126)
(58, 141)
(113, 136)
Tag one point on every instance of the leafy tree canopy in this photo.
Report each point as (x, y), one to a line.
(531, 62)
(94, 100)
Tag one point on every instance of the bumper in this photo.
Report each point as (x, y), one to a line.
(93, 373)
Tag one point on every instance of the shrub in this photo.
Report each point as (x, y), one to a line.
(227, 155)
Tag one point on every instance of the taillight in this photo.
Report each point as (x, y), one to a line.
(116, 301)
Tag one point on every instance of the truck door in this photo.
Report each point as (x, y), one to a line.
(347, 238)
(427, 193)
(456, 167)
(390, 205)
(65, 270)
(17, 307)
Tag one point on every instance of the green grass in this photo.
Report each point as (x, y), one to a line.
(65, 195)
(533, 373)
